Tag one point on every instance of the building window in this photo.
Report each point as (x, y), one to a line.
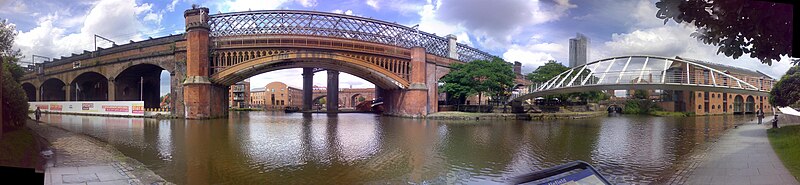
(719, 106)
(712, 95)
(699, 94)
(699, 106)
(712, 107)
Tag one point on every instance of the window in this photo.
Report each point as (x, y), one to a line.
(719, 106)
(712, 95)
(699, 106)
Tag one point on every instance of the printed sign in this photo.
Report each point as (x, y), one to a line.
(42, 107)
(115, 108)
(55, 107)
(138, 109)
(87, 106)
(131, 108)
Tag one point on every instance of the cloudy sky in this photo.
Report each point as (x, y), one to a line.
(528, 31)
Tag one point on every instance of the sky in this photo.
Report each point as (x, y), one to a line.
(529, 31)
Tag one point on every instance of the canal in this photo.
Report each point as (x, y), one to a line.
(279, 148)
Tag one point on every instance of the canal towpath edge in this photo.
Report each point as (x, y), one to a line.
(741, 156)
(79, 159)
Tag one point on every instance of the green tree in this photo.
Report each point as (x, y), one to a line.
(551, 69)
(785, 92)
(546, 72)
(14, 101)
(480, 77)
(759, 28)
(11, 64)
(641, 94)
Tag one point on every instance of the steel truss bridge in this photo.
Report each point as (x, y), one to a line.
(312, 23)
(641, 73)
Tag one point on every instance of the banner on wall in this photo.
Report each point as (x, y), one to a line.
(127, 108)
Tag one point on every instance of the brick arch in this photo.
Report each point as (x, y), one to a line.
(30, 90)
(315, 99)
(166, 64)
(328, 60)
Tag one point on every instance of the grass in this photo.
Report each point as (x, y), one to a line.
(20, 149)
(786, 143)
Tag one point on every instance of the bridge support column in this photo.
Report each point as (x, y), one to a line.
(202, 99)
(112, 90)
(332, 103)
(412, 101)
(308, 88)
(68, 93)
(38, 93)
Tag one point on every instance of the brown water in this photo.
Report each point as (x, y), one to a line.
(278, 148)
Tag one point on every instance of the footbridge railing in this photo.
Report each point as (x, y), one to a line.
(642, 72)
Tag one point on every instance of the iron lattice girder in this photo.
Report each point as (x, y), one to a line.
(297, 22)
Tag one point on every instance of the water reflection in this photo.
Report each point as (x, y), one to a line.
(278, 148)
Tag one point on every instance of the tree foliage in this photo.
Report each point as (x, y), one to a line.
(641, 94)
(7, 34)
(546, 72)
(479, 77)
(785, 92)
(550, 70)
(759, 28)
(14, 100)
(11, 65)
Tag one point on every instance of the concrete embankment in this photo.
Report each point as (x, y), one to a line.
(452, 115)
(80, 159)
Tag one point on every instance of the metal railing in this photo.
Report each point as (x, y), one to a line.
(660, 70)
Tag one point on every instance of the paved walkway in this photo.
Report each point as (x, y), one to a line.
(82, 160)
(742, 156)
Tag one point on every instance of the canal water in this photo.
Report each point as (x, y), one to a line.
(279, 148)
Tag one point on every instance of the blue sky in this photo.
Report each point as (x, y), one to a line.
(529, 31)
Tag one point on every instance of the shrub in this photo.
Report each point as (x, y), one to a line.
(640, 107)
(15, 102)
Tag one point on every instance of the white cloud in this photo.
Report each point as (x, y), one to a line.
(307, 3)
(373, 4)
(247, 5)
(153, 17)
(674, 40)
(346, 12)
(118, 20)
(534, 55)
(492, 23)
(171, 5)
(14, 6)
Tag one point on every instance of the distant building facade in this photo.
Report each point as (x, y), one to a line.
(710, 102)
(578, 50)
(239, 95)
(276, 95)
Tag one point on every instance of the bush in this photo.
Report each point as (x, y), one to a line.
(15, 102)
(640, 107)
